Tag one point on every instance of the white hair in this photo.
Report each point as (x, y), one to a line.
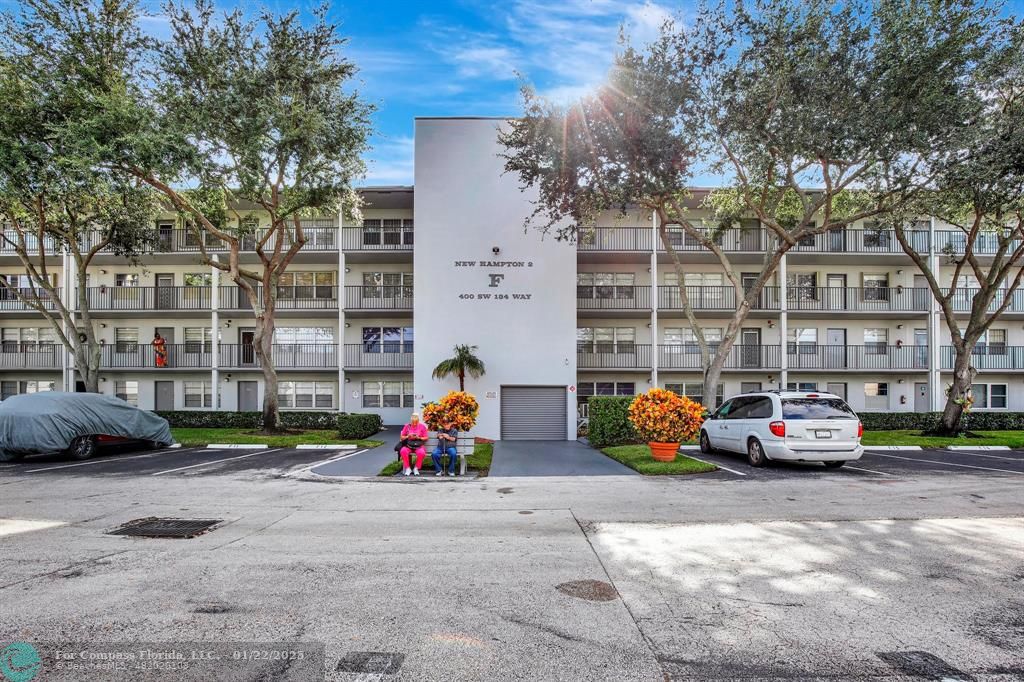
(414, 415)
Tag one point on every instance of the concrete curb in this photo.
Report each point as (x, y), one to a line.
(691, 448)
(977, 447)
(892, 448)
(325, 446)
(236, 446)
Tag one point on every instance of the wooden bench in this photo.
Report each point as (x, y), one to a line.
(463, 447)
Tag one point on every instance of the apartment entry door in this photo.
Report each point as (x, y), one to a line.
(164, 395)
(921, 396)
(920, 348)
(247, 357)
(835, 343)
(165, 292)
(750, 339)
(248, 396)
(922, 293)
(835, 292)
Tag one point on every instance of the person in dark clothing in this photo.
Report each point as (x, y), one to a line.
(447, 437)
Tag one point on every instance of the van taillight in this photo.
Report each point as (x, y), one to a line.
(860, 429)
(778, 429)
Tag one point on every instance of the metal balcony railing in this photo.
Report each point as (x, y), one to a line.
(985, 243)
(963, 300)
(711, 298)
(377, 239)
(30, 356)
(378, 355)
(735, 240)
(378, 297)
(613, 356)
(986, 357)
(321, 235)
(10, 301)
(614, 239)
(322, 297)
(105, 298)
(876, 356)
(230, 356)
(862, 241)
(741, 356)
(857, 299)
(602, 297)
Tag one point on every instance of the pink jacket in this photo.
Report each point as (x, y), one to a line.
(418, 431)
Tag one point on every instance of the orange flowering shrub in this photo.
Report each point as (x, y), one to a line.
(661, 416)
(459, 407)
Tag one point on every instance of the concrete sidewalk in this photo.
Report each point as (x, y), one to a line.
(553, 458)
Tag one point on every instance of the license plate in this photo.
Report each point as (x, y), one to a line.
(823, 434)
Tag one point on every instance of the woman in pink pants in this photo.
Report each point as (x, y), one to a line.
(414, 437)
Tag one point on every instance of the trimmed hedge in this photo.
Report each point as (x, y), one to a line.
(349, 426)
(924, 421)
(609, 421)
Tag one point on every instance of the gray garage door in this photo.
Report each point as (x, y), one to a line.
(533, 413)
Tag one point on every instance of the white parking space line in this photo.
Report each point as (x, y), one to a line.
(978, 454)
(870, 471)
(731, 471)
(107, 460)
(216, 461)
(340, 457)
(949, 464)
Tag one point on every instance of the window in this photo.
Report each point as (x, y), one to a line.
(387, 285)
(989, 396)
(387, 339)
(126, 339)
(198, 279)
(387, 231)
(875, 236)
(802, 286)
(695, 391)
(802, 386)
(606, 340)
(876, 341)
(816, 408)
(305, 395)
(992, 342)
(15, 340)
(198, 340)
(306, 285)
(388, 394)
(876, 287)
(127, 391)
(588, 389)
(304, 335)
(605, 285)
(876, 396)
(9, 388)
(685, 337)
(126, 279)
(802, 340)
(197, 394)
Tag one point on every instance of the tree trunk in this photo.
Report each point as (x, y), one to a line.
(263, 345)
(713, 372)
(462, 381)
(963, 377)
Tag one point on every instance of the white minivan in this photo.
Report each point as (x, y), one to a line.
(790, 426)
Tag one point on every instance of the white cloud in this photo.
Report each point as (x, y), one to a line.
(390, 162)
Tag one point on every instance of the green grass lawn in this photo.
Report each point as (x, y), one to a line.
(479, 462)
(638, 457)
(1014, 439)
(193, 437)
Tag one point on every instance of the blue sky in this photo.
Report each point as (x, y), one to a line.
(461, 58)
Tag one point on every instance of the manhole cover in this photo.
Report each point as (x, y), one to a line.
(371, 662)
(154, 527)
(591, 590)
(922, 664)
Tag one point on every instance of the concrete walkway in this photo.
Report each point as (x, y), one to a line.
(553, 458)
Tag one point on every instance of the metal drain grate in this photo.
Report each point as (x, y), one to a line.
(922, 664)
(153, 527)
(371, 662)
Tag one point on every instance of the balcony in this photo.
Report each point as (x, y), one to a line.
(321, 235)
(378, 298)
(963, 300)
(311, 297)
(613, 298)
(10, 302)
(748, 356)
(171, 298)
(615, 239)
(862, 242)
(985, 243)
(383, 356)
(713, 298)
(377, 238)
(987, 357)
(871, 357)
(611, 356)
(230, 356)
(30, 356)
(856, 299)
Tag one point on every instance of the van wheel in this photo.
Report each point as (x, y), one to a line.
(755, 453)
(705, 443)
(834, 465)
(82, 447)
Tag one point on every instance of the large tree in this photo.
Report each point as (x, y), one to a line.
(977, 194)
(58, 62)
(257, 111)
(819, 114)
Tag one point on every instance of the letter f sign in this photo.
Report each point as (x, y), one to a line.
(495, 280)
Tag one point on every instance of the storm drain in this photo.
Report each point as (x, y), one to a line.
(153, 527)
(922, 664)
(371, 662)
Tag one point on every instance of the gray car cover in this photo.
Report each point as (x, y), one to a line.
(50, 420)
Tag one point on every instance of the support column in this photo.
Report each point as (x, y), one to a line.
(215, 337)
(783, 324)
(937, 394)
(67, 362)
(654, 300)
(340, 339)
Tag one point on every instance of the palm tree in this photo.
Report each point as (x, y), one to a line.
(462, 363)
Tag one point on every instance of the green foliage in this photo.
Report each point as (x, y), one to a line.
(638, 457)
(927, 421)
(349, 426)
(357, 425)
(609, 421)
(459, 365)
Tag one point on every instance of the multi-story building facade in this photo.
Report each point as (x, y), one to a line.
(368, 310)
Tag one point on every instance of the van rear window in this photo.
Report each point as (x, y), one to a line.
(816, 408)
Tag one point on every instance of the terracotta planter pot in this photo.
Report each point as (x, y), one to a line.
(664, 452)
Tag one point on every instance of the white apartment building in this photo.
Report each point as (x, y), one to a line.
(368, 310)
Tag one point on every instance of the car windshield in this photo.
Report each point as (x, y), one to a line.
(816, 408)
